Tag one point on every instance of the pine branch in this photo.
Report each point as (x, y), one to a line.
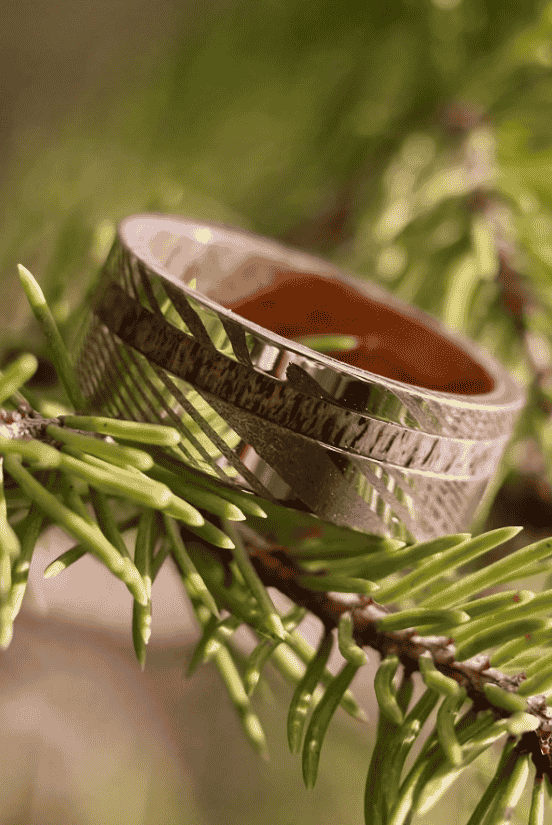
(277, 569)
(407, 603)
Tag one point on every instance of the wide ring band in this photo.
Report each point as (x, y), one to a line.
(399, 437)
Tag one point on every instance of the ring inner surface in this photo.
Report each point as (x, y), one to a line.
(389, 344)
(252, 280)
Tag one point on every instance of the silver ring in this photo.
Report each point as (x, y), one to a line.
(192, 323)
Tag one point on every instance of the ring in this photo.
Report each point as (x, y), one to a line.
(199, 326)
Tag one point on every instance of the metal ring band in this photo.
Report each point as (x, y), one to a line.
(399, 437)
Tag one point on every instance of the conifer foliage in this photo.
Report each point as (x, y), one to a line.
(485, 660)
(440, 169)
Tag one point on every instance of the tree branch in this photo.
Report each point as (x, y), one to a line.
(277, 569)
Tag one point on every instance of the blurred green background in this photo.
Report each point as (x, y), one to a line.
(398, 138)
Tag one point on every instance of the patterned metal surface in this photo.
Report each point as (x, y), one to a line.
(268, 415)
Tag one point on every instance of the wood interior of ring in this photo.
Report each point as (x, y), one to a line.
(390, 344)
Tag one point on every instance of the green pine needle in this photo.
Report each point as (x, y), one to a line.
(90, 536)
(16, 374)
(58, 352)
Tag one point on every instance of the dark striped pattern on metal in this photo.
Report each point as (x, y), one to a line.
(265, 414)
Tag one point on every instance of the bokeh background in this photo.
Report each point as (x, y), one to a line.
(409, 141)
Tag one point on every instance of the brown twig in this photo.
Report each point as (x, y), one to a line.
(277, 568)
